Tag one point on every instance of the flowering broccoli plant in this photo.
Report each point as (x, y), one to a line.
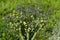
(25, 22)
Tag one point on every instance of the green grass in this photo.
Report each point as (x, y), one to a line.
(53, 6)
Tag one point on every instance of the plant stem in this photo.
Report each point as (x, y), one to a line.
(35, 34)
(21, 35)
(27, 36)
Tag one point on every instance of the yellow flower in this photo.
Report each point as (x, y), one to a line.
(2, 17)
(20, 21)
(31, 15)
(10, 23)
(17, 29)
(25, 29)
(11, 26)
(24, 23)
(16, 16)
(42, 20)
(29, 29)
(16, 24)
(13, 14)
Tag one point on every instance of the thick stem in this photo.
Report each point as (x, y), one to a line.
(35, 34)
(27, 36)
(21, 35)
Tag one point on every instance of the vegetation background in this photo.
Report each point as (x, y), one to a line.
(51, 6)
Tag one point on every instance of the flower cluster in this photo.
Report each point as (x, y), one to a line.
(26, 21)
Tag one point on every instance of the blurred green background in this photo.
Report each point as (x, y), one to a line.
(8, 6)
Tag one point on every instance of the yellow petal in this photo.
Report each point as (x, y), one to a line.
(24, 23)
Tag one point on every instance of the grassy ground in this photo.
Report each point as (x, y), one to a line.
(8, 6)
